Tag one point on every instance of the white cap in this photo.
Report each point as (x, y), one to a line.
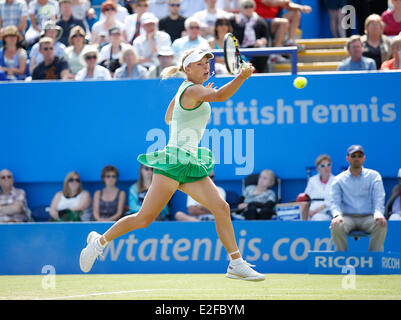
(196, 56)
(399, 173)
(149, 17)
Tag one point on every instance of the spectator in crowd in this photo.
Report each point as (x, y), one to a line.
(190, 7)
(258, 201)
(208, 17)
(334, 8)
(51, 30)
(393, 204)
(52, 67)
(357, 202)
(91, 19)
(73, 53)
(290, 11)
(132, 24)
(130, 69)
(109, 9)
(395, 62)
(80, 9)
(14, 13)
(166, 59)
(222, 27)
(356, 62)
(129, 4)
(148, 44)
(13, 204)
(197, 212)
(109, 203)
(92, 71)
(375, 44)
(66, 21)
(121, 12)
(193, 39)
(13, 58)
(40, 11)
(138, 190)
(174, 23)
(318, 189)
(70, 203)
(392, 19)
(251, 32)
(159, 8)
(109, 55)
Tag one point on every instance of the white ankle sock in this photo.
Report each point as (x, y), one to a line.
(99, 245)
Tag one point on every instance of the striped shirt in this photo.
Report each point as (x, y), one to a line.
(10, 14)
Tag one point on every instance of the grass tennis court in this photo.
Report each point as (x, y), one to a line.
(199, 287)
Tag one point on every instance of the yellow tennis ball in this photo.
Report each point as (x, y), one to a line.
(300, 82)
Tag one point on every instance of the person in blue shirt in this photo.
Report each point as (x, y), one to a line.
(356, 62)
(357, 202)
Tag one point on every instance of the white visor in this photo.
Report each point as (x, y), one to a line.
(196, 56)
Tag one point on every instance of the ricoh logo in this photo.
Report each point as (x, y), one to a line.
(342, 261)
(390, 263)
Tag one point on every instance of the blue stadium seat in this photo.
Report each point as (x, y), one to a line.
(356, 234)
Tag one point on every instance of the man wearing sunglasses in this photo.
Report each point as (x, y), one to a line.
(52, 67)
(13, 205)
(357, 203)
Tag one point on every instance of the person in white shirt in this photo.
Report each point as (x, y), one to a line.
(121, 14)
(208, 17)
(92, 71)
(132, 24)
(318, 189)
(148, 44)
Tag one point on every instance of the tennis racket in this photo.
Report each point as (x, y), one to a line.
(232, 56)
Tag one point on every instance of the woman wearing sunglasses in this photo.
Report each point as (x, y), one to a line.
(318, 189)
(70, 203)
(109, 203)
(92, 71)
(183, 165)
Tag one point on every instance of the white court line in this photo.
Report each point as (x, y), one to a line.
(98, 294)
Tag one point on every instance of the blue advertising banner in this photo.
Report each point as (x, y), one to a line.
(171, 247)
(84, 126)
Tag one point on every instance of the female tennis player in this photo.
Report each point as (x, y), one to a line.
(183, 165)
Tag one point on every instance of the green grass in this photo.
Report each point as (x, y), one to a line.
(200, 286)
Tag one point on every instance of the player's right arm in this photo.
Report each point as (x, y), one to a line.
(169, 112)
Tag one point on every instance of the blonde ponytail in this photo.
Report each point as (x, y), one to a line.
(173, 70)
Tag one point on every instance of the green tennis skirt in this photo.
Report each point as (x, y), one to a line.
(179, 164)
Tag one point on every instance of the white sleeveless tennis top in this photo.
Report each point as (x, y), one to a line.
(188, 125)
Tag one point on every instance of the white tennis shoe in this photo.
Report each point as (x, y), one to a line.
(243, 271)
(90, 253)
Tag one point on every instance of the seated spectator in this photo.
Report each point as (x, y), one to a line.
(375, 44)
(166, 59)
(109, 55)
(109, 9)
(148, 44)
(334, 8)
(70, 203)
(92, 71)
(208, 17)
(138, 190)
(159, 8)
(130, 69)
(80, 9)
(121, 14)
(394, 63)
(13, 204)
(109, 203)
(196, 211)
(357, 202)
(251, 32)
(91, 19)
(53, 31)
(40, 11)
(318, 189)
(14, 13)
(73, 53)
(222, 27)
(257, 201)
(174, 23)
(193, 39)
(132, 24)
(392, 19)
(356, 62)
(13, 58)
(52, 67)
(66, 21)
(393, 204)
